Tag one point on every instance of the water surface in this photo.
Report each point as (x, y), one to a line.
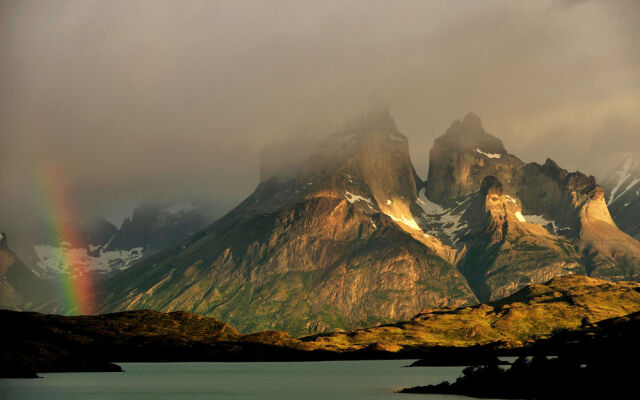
(353, 380)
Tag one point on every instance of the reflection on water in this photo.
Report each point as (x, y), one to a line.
(226, 381)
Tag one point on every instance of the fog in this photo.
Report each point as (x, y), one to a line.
(149, 101)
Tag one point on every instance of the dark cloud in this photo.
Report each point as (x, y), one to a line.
(136, 101)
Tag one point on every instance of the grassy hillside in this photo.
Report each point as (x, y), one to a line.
(534, 312)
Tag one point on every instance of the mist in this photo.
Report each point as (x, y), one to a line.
(131, 102)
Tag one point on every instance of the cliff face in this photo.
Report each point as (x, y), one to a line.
(333, 246)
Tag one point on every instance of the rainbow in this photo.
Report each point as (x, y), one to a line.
(76, 283)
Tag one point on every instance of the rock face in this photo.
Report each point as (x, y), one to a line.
(20, 288)
(334, 245)
(520, 223)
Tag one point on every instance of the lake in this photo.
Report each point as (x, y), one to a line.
(234, 381)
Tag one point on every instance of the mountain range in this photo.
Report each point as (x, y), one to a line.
(103, 248)
(342, 233)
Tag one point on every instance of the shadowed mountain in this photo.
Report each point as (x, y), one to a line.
(20, 288)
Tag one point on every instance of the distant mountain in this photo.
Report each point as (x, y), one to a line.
(343, 234)
(619, 175)
(20, 288)
(106, 249)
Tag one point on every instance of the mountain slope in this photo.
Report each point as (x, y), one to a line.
(329, 244)
(20, 288)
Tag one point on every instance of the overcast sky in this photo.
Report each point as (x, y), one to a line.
(138, 100)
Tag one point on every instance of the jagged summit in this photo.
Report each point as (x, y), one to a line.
(469, 134)
(462, 157)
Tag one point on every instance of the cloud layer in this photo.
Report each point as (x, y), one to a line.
(133, 101)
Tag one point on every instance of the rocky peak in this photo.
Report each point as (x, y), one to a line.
(367, 163)
(462, 157)
(469, 135)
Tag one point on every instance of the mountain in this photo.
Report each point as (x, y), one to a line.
(106, 249)
(516, 223)
(619, 175)
(327, 241)
(341, 233)
(20, 288)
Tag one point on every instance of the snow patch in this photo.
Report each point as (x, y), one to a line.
(448, 220)
(52, 259)
(511, 199)
(520, 217)
(388, 202)
(541, 220)
(625, 174)
(352, 198)
(489, 155)
(629, 187)
(401, 139)
(408, 221)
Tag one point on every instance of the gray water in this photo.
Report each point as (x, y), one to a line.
(235, 381)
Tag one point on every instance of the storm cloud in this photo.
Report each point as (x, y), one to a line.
(138, 101)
